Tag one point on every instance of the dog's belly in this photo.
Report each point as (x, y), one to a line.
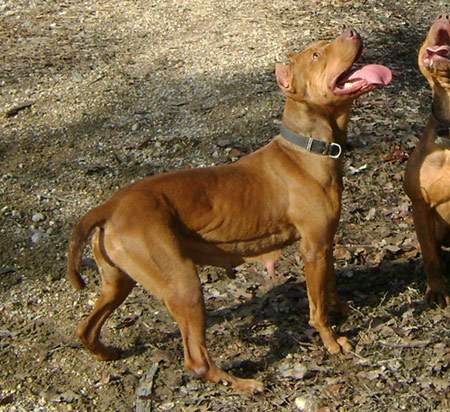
(235, 252)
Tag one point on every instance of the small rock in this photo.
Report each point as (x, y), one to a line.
(306, 404)
(167, 406)
(295, 371)
(38, 217)
(394, 365)
(370, 375)
(223, 142)
(392, 249)
(371, 214)
(37, 236)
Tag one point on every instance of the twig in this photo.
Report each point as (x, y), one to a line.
(96, 79)
(412, 344)
(359, 356)
(144, 389)
(19, 107)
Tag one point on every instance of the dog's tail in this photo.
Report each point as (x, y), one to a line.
(94, 218)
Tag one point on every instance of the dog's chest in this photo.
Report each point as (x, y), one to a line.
(435, 180)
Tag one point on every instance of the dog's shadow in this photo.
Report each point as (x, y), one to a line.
(285, 310)
(275, 323)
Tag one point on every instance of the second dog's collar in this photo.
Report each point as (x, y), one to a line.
(333, 150)
(442, 141)
(442, 134)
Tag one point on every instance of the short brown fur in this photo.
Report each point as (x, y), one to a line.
(156, 230)
(427, 178)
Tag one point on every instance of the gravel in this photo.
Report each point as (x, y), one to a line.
(94, 95)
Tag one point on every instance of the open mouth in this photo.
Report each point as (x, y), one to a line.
(361, 79)
(440, 51)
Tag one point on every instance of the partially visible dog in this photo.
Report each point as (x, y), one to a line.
(156, 230)
(427, 178)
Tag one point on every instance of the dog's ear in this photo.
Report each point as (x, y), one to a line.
(285, 77)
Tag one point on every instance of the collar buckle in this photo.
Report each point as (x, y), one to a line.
(331, 148)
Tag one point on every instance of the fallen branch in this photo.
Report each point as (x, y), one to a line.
(144, 389)
(17, 108)
(410, 344)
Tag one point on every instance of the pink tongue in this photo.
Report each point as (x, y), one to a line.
(441, 50)
(372, 74)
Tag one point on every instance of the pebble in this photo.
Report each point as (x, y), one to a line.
(293, 370)
(38, 217)
(36, 237)
(306, 404)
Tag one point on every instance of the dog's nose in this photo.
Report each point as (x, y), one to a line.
(444, 17)
(350, 33)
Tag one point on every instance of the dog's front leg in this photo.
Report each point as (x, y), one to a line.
(317, 252)
(337, 308)
(437, 290)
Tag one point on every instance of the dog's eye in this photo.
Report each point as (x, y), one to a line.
(315, 56)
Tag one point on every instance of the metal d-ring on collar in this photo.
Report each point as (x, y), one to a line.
(333, 150)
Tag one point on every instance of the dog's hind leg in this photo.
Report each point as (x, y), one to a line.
(116, 285)
(185, 304)
(155, 259)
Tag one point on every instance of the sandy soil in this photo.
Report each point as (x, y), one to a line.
(116, 90)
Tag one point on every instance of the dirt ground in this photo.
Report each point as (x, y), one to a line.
(94, 95)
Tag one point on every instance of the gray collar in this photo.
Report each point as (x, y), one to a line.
(442, 141)
(333, 150)
(442, 134)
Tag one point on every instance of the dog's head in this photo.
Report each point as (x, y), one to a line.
(434, 63)
(325, 73)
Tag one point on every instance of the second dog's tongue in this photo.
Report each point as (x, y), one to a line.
(372, 74)
(443, 50)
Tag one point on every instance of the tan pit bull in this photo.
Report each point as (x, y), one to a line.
(427, 179)
(157, 230)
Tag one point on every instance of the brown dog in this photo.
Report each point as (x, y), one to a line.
(156, 230)
(427, 179)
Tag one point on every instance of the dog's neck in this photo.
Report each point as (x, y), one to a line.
(442, 129)
(440, 107)
(328, 125)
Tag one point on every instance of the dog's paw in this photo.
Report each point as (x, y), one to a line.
(345, 344)
(339, 345)
(248, 386)
(437, 296)
(108, 353)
